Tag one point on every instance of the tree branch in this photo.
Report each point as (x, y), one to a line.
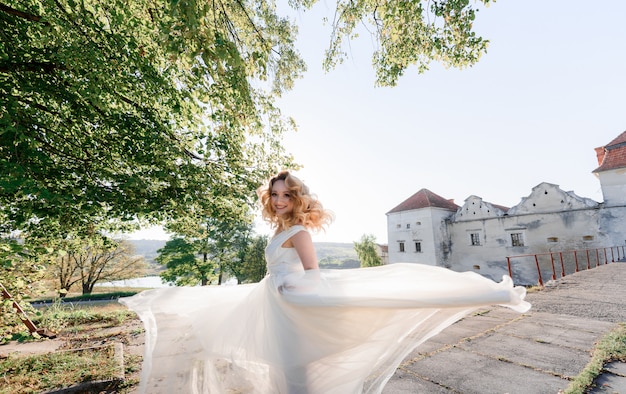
(21, 14)
(47, 68)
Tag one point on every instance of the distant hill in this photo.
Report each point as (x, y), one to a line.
(147, 248)
(329, 254)
(336, 255)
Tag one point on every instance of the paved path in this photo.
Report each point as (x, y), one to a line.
(496, 350)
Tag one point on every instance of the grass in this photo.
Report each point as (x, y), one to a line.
(89, 335)
(45, 372)
(60, 316)
(611, 347)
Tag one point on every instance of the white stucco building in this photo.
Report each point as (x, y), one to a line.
(478, 236)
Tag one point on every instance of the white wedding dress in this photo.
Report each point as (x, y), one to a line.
(296, 331)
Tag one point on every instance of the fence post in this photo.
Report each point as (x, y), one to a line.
(538, 271)
(612, 255)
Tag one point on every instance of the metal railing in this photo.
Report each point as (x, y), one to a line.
(569, 261)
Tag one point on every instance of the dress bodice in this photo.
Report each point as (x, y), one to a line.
(280, 260)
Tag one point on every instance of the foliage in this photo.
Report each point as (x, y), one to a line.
(206, 249)
(118, 110)
(183, 267)
(111, 110)
(252, 266)
(408, 33)
(21, 266)
(116, 113)
(89, 260)
(214, 245)
(367, 250)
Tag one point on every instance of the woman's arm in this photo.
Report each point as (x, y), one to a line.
(304, 247)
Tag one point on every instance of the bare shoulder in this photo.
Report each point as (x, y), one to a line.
(303, 244)
(302, 240)
(302, 237)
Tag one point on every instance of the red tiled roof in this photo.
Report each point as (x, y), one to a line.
(425, 199)
(613, 155)
(620, 139)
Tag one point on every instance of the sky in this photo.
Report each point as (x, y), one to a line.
(550, 89)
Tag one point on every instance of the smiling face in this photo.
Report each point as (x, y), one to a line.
(281, 198)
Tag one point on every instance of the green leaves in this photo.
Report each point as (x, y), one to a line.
(124, 110)
(367, 250)
(117, 110)
(409, 33)
(185, 264)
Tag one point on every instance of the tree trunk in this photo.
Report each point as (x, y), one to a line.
(87, 289)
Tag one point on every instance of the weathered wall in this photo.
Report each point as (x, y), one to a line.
(613, 224)
(540, 232)
(613, 185)
(549, 221)
(426, 226)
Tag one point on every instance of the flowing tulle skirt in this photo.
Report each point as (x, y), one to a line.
(328, 331)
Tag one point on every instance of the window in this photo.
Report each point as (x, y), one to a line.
(587, 237)
(517, 239)
(401, 244)
(475, 239)
(553, 239)
(408, 225)
(418, 247)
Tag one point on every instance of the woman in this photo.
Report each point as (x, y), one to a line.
(302, 329)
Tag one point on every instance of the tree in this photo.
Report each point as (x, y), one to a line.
(252, 266)
(87, 261)
(114, 111)
(184, 265)
(408, 33)
(367, 250)
(111, 110)
(214, 239)
(207, 252)
(118, 110)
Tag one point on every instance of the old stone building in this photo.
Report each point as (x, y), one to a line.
(478, 236)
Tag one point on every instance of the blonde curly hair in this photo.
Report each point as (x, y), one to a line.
(307, 210)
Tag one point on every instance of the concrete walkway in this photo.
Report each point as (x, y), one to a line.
(496, 350)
